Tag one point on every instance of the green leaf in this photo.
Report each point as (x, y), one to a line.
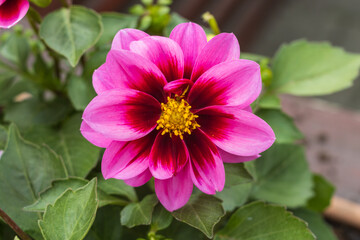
(50, 195)
(202, 212)
(283, 176)
(80, 92)
(116, 187)
(139, 213)
(306, 69)
(316, 224)
(106, 225)
(25, 170)
(258, 220)
(79, 155)
(161, 218)
(283, 126)
(324, 191)
(72, 215)
(237, 188)
(58, 187)
(269, 101)
(41, 3)
(33, 112)
(113, 22)
(3, 137)
(16, 49)
(71, 31)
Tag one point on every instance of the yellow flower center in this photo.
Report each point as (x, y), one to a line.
(176, 117)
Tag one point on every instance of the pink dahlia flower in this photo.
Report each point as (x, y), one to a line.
(12, 11)
(175, 109)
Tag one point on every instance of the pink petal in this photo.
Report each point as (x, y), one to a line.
(102, 80)
(12, 11)
(175, 192)
(206, 168)
(124, 37)
(232, 83)
(168, 156)
(221, 48)
(94, 137)
(235, 130)
(165, 53)
(178, 86)
(126, 160)
(140, 179)
(127, 70)
(122, 115)
(248, 108)
(231, 158)
(192, 39)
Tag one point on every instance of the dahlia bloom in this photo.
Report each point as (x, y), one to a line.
(175, 109)
(12, 11)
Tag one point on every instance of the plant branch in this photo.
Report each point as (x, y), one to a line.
(14, 226)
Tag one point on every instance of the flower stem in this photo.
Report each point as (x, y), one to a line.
(14, 226)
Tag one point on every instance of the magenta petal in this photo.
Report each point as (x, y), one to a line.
(168, 156)
(223, 47)
(124, 37)
(178, 86)
(206, 168)
(94, 137)
(231, 158)
(122, 115)
(130, 70)
(140, 179)
(235, 130)
(165, 53)
(102, 81)
(232, 83)
(12, 11)
(126, 160)
(192, 38)
(175, 192)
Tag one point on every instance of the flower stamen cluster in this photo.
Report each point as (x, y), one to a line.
(176, 118)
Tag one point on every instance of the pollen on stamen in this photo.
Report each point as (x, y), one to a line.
(176, 118)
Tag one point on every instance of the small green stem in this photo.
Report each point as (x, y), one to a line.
(14, 226)
(210, 19)
(66, 3)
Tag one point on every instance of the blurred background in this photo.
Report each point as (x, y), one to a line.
(331, 124)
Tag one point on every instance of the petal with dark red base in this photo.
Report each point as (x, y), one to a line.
(233, 83)
(122, 115)
(126, 160)
(235, 130)
(223, 47)
(206, 167)
(127, 70)
(94, 137)
(178, 86)
(140, 179)
(124, 37)
(192, 38)
(12, 11)
(165, 53)
(175, 192)
(168, 156)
